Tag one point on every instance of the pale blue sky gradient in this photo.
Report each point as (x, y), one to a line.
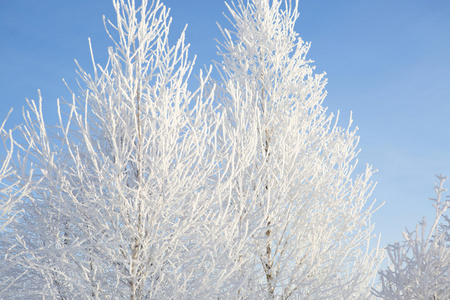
(388, 61)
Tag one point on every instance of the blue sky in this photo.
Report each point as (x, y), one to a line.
(388, 61)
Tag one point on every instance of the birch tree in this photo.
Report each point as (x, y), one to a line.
(242, 189)
(419, 266)
(124, 197)
(307, 212)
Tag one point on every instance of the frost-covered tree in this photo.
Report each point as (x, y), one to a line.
(124, 196)
(419, 266)
(147, 190)
(295, 192)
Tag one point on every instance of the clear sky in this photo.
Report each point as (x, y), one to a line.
(388, 61)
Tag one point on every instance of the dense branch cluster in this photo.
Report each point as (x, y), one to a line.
(419, 267)
(240, 189)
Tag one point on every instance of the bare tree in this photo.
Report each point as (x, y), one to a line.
(419, 266)
(124, 200)
(309, 217)
(147, 190)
